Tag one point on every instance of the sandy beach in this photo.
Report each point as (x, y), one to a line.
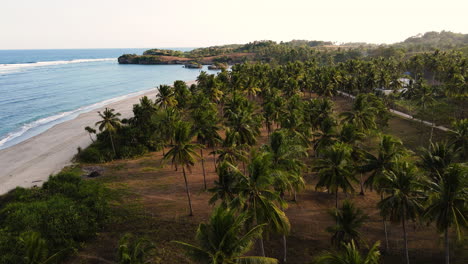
(30, 162)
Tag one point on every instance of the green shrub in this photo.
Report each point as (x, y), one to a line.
(66, 211)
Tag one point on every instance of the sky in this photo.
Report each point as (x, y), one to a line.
(48, 24)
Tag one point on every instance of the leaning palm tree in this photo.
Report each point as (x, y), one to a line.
(205, 129)
(405, 195)
(110, 122)
(90, 131)
(348, 219)
(447, 203)
(183, 153)
(224, 240)
(335, 170)
(350, 255)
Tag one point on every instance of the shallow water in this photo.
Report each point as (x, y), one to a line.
(40, 88)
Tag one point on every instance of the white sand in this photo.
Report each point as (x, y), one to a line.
(31, 162)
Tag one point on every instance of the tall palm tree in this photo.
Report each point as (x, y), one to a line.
(245, 125)
(110, 123)
(230, 149)
(350, 255)
(183, 153)
(436, 159)
(257, 198)
(447, 203)
(325, 136)
(389, 151)
(348, 219)
(335, 170)
(227, 185)
(205, 129)
(225, 239)
(403, 187)
(460, 136)
(286, 154)
(362, 114)
(165, 97)
(350, 135)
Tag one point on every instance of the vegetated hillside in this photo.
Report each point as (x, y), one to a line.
(434, 40)
(322, 51)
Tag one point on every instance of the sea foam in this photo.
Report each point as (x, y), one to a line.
(40, 125)
(16, 67)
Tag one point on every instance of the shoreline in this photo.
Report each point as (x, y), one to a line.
(31, 162)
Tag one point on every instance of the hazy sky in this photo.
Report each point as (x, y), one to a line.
(39, 24)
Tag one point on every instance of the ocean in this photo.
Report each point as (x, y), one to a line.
(41, 88)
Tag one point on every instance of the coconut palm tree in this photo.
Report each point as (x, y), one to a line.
(362, 114)
(404, 200)
(317, 111)
(165, 97)
(350, 135)
(225, 239)
(446, 204)
(389, 151)
(436, 159)
(257, 198)
(90, 131)
(205, 129)
(183, 153)
(226, 187)
(325, 136)
(133, 250)
(245, 125)
(350, 255)
(348, 219)
(286, 154)
(460, 136)
(110, 123)
(335, 170)
(230, 149)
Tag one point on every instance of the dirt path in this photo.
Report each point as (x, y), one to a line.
(406, 116)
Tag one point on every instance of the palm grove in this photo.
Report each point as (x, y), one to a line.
(305, 135)
(290, 99)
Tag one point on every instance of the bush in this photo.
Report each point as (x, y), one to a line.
(66, 211)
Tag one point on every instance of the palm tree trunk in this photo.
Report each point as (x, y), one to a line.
(432, 128)
(214, 158)
(203, 167)
(112, 143)
(336, 199)
(405, 237)
(447, 247)
(187, 191)
(285, 249)
(362, 185)
(385, 228)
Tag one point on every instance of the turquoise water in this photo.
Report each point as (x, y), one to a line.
(40, 88)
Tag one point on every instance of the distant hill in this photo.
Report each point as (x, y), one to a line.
(283, 52)
(434, 40)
